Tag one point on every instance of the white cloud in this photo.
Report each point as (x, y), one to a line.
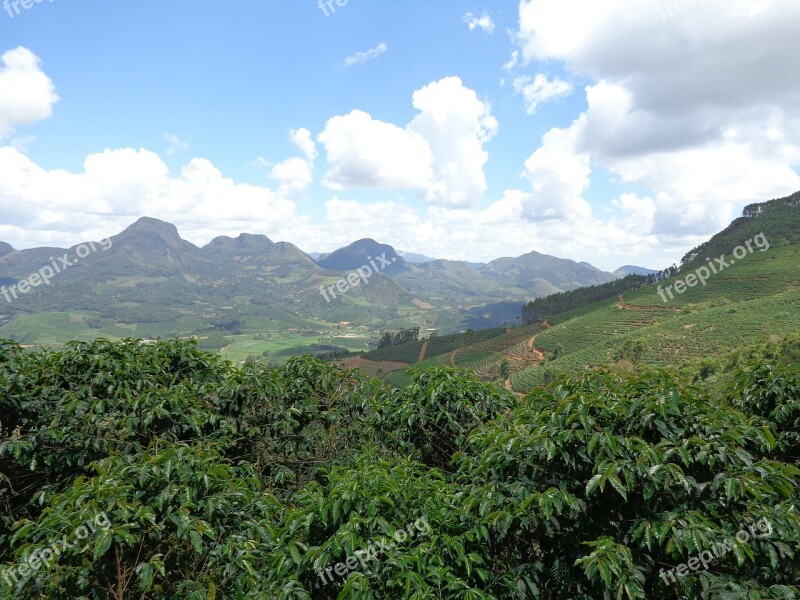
(541, 89)
(176, 144)
(304, 142)
(364, 152)
(484, 22)
(457, 125)
(681, 106)
(116, 187)
(512, 62)
(21, 142)
(359, 58)
(27, 95)
(440, 152)
(295, 174)
(559, 177)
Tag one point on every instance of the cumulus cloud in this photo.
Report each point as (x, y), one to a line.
(294, 175)
(541, 89)
(559, 177)
(359, 58)
(116, 187)
(304, 142)
(457, 125)
(440, 152)
(297, 173)
(678, 104)
(27, 95)
(365, 152)
(484, 22)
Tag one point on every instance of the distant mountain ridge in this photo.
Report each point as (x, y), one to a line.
(633, 270)
(151, 279)
(415, 258)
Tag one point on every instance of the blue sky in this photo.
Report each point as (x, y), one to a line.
(560, 127)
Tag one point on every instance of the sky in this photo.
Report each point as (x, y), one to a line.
(614, 132)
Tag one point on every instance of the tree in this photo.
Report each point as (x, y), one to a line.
(557, 352)
(505, 369)
(631, 350)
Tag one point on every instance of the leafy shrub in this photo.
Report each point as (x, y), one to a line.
(598, 482)
(183, 523)
(432, 416)
(247, 483)
(773, 393)
(293, 421)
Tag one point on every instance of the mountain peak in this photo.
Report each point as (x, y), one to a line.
(245, 243)
(633, 270)
(360, 253)
(148, 226)
(6, 249)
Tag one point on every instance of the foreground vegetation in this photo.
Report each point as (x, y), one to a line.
(220, 482)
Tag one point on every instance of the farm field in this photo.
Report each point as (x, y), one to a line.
(279, 346)
(379, 369)
(57, 328)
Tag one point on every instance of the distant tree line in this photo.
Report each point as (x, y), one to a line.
(550, 306)
(437, 345)
(405, 336)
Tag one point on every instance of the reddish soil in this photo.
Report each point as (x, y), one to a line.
(423, 352)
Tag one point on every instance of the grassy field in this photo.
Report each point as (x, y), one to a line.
(53, 329)
(280, 345)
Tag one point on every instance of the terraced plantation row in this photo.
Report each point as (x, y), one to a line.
(747, 303)
(755, 276)
(607, 321)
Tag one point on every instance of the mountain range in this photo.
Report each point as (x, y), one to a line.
(151, 280)
(251, 296)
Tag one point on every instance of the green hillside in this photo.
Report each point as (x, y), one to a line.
(752, 301)
(751, 295)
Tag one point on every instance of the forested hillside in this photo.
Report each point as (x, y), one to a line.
(155, 471)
